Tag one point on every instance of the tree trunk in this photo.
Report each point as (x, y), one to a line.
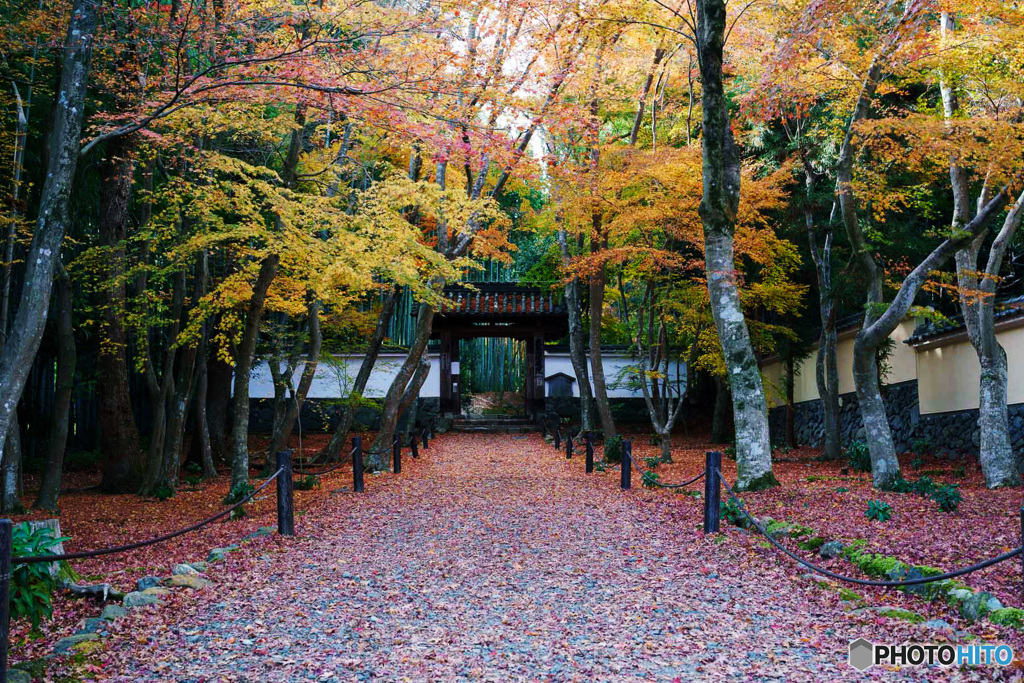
(201, 420)
(718, 208)
(977, 302)
(720, 432)
(44, 252)
(578, 353)
(49, 488)
(790, 408)
(121, 453)
(400, 385)
(826, 372)
(243, 367)
(218, 403)
(577, 339)
(10, 469)
(604, 408)
(294, 407)
(827, 379)
(340, 436)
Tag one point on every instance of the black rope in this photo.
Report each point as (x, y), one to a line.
(141, 544)
(866, 582)
(649, 477)
(330, 469)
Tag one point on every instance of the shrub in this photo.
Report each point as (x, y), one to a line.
(947, 496)
(307, 483)
(163, 491)
(613, 449)
(924, 486)
(732, 513)
(879, 511)
(921, 446)
(729, 452)
(859, 456)
(650, 479)
(652, 462)
(916, 463)
(32, 585)
(237, 493)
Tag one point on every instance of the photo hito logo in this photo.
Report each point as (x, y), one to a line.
(864, 654)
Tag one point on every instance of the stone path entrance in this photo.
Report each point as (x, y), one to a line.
(492, 558)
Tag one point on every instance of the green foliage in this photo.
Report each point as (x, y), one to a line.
(859, 456)
(731, 512)
(651, 479)
(916, 463)
(307, 483)
(652, 462)
(32, 585)
(812, 543)
(613, 449)
(237, 493)
(920, 447)
(1008, 616)
(729, 452)
(947, 496)
(842, 489)
(879, 511)
(194, 474)
(163, 491)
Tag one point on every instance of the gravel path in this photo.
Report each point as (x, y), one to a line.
(492, 558)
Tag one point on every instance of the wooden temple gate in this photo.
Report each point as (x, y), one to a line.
(500, 310)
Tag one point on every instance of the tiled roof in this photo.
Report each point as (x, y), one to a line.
(505, 300)
(1005, 310)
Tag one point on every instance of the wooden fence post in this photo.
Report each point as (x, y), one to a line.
(396, 455)
(712, 491)
(6, 541)
(568, 445)
(589, 440)
(357, 464)
(415, 446)
(626, 468)
(285, 495)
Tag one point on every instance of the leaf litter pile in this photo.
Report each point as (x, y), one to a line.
(493, 558)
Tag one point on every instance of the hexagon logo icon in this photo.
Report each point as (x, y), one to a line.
(862, 654)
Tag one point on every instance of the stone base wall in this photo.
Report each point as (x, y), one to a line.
(957, 433)
(953, 434)
(901, 405)
(322, 415)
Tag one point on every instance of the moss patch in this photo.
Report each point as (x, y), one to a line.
(904, 614)
(852, 596)
(765, 481)
(812, 543)
(1008, 616)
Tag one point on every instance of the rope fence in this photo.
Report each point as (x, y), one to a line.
(850, 579)
(285, 486)
(32, 559)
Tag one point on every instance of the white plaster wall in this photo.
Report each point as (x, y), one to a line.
(903, 363)
(335, 375)
(614, 364)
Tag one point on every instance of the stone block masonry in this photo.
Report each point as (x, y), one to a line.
(952, 434)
